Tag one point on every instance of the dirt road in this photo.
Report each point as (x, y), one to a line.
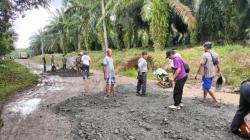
(66, 107)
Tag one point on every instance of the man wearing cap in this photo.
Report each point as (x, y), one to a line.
(85, 65)
(209, 63)
(79, 61)
(180, 77)
(244, 107)
(142, 74)
(109, 73)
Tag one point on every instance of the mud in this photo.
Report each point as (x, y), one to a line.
(129, 117)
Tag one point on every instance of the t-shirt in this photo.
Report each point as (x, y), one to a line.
(142, 65)
(72, 60)
(172, 61)
(53, 61)
(108, 61)
(178, 63)
(64, 60)
(209, 68)
(85, 60)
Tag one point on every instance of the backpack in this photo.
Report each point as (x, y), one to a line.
(214, 59)
(186, 67)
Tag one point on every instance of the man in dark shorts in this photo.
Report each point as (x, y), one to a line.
(180, 77)
(244, 107)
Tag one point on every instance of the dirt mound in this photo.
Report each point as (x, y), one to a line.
(132, 63)
(129, 117)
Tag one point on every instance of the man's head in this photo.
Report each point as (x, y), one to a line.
(145, 54)
(109, 52)
(170, 54)
(85, 53)
(207, 46)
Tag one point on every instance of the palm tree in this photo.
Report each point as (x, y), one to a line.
(151, 13)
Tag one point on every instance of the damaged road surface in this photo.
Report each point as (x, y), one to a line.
(129, 117)
(69, 108)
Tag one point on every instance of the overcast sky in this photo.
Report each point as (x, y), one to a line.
(33, 21)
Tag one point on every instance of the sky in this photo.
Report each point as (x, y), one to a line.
(33, 20)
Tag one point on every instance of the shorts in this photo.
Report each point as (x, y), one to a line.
(207, 83)
(110, 81)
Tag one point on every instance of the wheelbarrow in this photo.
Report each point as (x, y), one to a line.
(163, 77)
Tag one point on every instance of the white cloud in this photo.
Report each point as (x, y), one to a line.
(34, 20)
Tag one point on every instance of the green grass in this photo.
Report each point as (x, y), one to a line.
(14, 77)
(235, 61)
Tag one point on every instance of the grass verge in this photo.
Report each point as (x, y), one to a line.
(14, 77)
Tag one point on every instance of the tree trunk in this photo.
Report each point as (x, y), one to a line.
(79, 42)
(104, 27)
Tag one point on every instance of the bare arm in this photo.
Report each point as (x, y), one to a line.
(105, 71)
(177, 72)
(199, 70)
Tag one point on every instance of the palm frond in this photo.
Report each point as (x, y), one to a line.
(184, 12)
(146, 10)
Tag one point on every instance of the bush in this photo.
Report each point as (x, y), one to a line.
(133, 62)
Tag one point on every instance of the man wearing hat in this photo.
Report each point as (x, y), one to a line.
(180, 77)
(244, 107)
(210, 66)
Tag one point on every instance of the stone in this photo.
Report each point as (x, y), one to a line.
(117, 131)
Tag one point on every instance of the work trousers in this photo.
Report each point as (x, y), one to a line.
(85, 71)
(244, 108)
(142, 83)
(178, 90)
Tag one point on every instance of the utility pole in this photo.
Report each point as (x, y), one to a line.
(104, 27)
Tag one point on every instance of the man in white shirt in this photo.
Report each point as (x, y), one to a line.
(142, 74)
(72, 61)
(85, 65)
(109, 73)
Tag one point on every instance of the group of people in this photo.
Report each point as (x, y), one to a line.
(208, 69)
(81, 63)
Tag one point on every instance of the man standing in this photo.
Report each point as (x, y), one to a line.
(79, 62)
(180, 77)
(53, 63)
(109, 73)
(44, 64)
(85, 65)
(72, 62)
(209, 63)
(244, 107)
(64, 61)
(142, 74)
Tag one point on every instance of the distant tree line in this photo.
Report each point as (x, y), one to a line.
(9, 10)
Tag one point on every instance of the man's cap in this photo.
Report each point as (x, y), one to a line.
(208, 44)
(169, 53)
